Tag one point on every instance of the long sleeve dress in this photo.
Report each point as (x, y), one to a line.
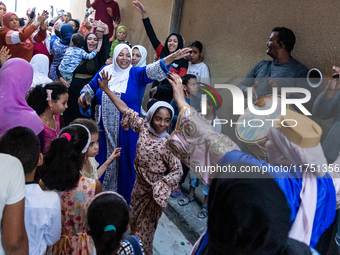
(20, 43)
(158, 172)
(120, 175)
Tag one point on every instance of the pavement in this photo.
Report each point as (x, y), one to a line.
(169, 240)
(179, 225)
(185, 217)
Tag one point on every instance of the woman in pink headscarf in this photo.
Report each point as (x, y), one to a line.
(20, 42)
(14, 110)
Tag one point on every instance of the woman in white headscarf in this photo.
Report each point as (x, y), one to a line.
(40, 64)
(139, 54)
(126, 82)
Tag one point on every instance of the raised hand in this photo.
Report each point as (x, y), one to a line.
(41, 18)
(178, 92)
(4, 55)
(139, 7)
(104, 83)
(181, 53)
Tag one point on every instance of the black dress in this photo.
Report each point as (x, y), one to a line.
(87, 69)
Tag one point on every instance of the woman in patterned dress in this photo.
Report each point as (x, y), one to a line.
(158, 171)
(62, 164)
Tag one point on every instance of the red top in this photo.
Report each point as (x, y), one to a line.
(101, 13)
(20, 43)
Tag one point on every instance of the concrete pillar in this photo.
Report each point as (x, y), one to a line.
(175, 19)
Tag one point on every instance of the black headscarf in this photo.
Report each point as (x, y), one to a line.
(94, 64)
(165, 50)
(249, 216)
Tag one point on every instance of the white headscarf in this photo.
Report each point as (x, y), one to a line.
(152, 111)
(144, 54)
(40, 64)
(119, 77)
(302, 227)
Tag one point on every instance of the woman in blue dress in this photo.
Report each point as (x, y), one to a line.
(126, 82)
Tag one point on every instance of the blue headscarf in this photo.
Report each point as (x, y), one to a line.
(66, 32)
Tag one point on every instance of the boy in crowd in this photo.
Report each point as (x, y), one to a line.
(73, 56)
(42, 208)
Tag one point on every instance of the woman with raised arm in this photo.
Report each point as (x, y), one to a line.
(87, 69)
(163, 90)
(20, 42)
(126, 82)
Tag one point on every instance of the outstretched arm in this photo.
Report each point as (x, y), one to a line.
(104, 86)
(177, 87)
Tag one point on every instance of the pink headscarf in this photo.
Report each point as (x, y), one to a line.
(302, 227)
(16, 77)
(1, 3)
(7, 18)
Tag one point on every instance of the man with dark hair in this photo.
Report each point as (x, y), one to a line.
(282, 71)
(42, 208)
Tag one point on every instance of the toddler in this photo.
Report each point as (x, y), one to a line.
(73, 56)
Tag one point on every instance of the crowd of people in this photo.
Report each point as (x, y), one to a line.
(85, 170)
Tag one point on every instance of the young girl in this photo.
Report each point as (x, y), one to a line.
(158, 171)
(49, 101)
(196, 65)
(62, 164)
(107, 229)
(90, 163)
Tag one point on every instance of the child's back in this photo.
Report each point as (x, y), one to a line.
(42, 218)
(42, 208)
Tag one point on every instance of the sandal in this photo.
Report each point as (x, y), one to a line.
(203, 213)
(176, 192)
(184, 201)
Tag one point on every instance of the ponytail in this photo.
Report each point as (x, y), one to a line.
(108, 218)
(62, 164)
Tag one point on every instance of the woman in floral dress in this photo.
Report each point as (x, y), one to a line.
(158, 171)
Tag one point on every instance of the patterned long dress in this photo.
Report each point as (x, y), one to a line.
(158, 172)
(74, 205)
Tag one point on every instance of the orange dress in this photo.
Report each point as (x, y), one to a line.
(74, 205)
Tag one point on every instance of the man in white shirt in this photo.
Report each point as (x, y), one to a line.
(42, 208)
(12, 205)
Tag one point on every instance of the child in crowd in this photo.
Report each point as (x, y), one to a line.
(158, 171)
(49, 102)
(191, 96)
(107, 229)
(190, 87)
(196, 64)
(90, 164)
(42, 208)
(73, 56)
(62, 164)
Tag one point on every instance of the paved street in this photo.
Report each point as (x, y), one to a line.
(168, 239)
